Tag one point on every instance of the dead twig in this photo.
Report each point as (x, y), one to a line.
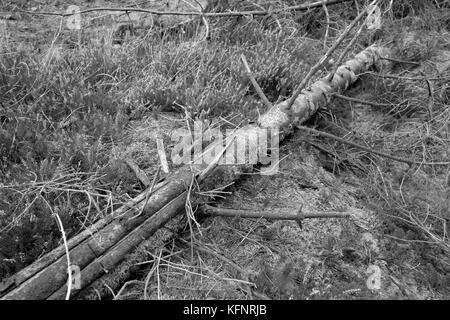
(390, 76)
(254, 83)
(149, 275)
(66, 246)
(327, 15)
(349, 46)
(379, 153)
(189, 210)
(300, 7)
(140, 174)
(69, 270)
(150, 191)
(270, 15)
(245, 274)
(369, 103)
(430, 98)
(401, 61)
(125, 285)
(204, 249)
(205, 22)
(326, 56)
(336, 158)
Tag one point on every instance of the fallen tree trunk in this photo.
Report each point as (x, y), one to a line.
(106, 262)
(57, 253)
(107, 242)
(48, 274)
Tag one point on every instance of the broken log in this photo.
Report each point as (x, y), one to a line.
(48, 274)
(113, 256)
(57, 253)
(107, 242)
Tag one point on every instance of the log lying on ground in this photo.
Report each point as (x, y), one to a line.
(57, 253)
(106, 243)
(48, 274)
(114, 255)
(319, 93)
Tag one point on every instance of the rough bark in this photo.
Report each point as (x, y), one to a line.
(47, 274)
(106, 262)
(319, 93)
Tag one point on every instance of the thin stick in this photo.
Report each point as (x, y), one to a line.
(205, 22)
(327, 15)
(325, 58)
(117, 296)
(389, 76)
(242, 271)
(254, 83)
(356, 6)
(160, 145)
(280, 214)
(147, 280)
(348, 47)
(351, 44)
(140, 174)
(401, 61)
(336, 95)
(218, 256)
(300, 7)
(430, 98)
(69, 271)
(150, 191)
(324, 150)
(66, 247)
(382, 154)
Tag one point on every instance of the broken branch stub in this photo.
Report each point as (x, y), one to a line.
(318, 94)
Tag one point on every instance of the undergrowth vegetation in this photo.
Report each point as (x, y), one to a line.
(64, 109)
(409, 118)
(65, 105)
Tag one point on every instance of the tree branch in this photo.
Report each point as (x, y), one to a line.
(379, 153)
(279, 214)
(255, 84)
(327, 55)
(300, 7)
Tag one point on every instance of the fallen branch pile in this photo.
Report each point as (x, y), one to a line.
(95, 251)
(104, 244)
